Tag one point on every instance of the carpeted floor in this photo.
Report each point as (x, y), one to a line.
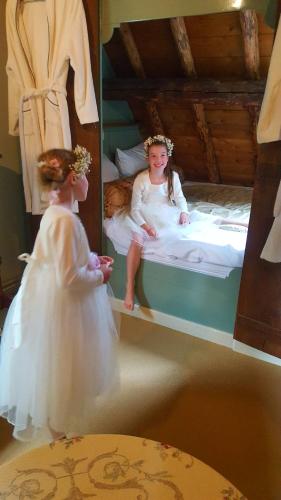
(222, 407)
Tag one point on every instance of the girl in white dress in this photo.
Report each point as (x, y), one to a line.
(158, 207)
(58, 344)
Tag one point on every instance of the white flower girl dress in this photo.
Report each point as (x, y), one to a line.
(58, 347)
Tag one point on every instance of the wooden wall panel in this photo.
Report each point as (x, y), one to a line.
(157, 48)
(217, 47)
(216, 43)
(89, 135)
(220, 67)
(264, 65)
(259, 307)
(190, 156)
(229, 146)
(265, 45)
(226, 24)
(228, 123)
(231, 135)
(177, 120)
(118, 56)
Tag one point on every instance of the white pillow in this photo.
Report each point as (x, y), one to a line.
(131, 161)
(109, 171)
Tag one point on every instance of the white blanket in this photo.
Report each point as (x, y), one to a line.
(206, 245)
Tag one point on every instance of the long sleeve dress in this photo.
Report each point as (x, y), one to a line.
(59, 339)
(200, 241)
(150, 205)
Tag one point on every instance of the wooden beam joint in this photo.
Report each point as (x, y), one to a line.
(155, 120)
(203, 130)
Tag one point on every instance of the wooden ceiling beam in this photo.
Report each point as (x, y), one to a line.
(154, 118)
(181, 99)
(132, 50)
(183, 46)
(180, 91)
(203, 85)
(249, 26)
(204, 133)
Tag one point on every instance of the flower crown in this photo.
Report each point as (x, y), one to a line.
(80, 166)
(83, 161)
(156, 139)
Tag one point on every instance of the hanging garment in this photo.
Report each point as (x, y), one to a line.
(269, 125)
(44, 38)
(269, 130)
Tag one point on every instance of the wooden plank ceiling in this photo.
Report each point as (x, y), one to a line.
(200, 81)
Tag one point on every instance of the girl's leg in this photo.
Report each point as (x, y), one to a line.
(133, 262)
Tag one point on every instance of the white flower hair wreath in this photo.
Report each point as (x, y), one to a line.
(81, 166)
(82, 163)
(156, 139)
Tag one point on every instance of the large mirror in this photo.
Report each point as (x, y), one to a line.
(198, 79)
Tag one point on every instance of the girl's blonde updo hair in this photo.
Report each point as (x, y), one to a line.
(52, 175)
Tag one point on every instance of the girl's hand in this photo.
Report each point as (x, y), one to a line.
(106, 270)
(149, 230)
(105, 259)
(184, 218)
(94, 261)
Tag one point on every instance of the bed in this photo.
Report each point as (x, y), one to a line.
(209, 248)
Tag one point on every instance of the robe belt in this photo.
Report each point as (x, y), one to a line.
(43, 92)
(38, 123)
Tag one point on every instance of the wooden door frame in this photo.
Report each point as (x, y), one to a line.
(258, 317)
(89, 135)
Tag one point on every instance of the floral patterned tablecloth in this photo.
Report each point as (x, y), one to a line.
(111, 467)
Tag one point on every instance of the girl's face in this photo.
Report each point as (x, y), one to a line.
(157, 157)
(80, 188)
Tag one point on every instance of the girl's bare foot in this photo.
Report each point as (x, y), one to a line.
(129, 299)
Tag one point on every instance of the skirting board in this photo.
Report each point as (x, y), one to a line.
(175, 323)
(255, 353)
(195, 330)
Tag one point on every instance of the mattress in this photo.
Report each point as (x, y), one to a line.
(212, 249)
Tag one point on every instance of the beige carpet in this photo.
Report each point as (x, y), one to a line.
(222, 407)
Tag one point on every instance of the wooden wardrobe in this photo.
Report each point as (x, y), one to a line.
(258, 319)
(89, 135)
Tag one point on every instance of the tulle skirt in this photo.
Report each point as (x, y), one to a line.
(200, 241)
(58, 356)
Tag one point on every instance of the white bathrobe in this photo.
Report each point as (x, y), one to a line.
(269, 130)
(44, 37)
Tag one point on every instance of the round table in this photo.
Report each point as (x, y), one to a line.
(110, 466)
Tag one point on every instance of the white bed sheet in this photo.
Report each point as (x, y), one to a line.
(208, 248)
(214, 270)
